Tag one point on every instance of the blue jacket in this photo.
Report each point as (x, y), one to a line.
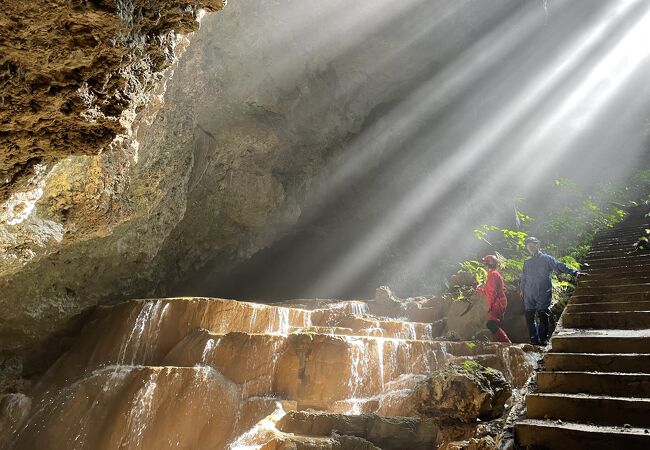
(536, 280)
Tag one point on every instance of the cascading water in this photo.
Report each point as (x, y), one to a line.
(139, 413)
(282, 326)
(210, 345)
(254, 438)
(380, 360)
(358, 308)
(139, 346)
(359, 356)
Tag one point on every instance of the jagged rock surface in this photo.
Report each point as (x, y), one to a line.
(73, 74)
(463, 393)
(79, 79)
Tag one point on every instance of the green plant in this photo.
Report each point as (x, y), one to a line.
(470, 365)
(475, 268)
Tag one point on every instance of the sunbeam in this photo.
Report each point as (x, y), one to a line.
(422, 198)
(605, 77)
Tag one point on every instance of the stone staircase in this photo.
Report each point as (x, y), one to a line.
(594, 389)
(206, 373)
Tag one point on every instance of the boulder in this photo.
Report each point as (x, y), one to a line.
(387, 433)
(463, 393)
(470, 325)
(484, 443)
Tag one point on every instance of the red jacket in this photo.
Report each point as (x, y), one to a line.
(494, 295)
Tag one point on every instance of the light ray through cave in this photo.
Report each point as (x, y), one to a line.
(526, 82)
(433, 95)
(424, 196)
(592, 93)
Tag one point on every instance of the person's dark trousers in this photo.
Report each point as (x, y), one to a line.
(532, 326)
(542, 317)
(538, 334)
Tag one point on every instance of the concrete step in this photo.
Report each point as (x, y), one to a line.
(616, 297)
(549, 435)
(626, 245)
(623, 253)
(613, 289)
(612, 252)
(600, 410)
(607, 306)
(639, 259)
(597, 281)
(598, 362)
(600, 341)
(629, 230)
(611, 242)
(623, 241)
(622, 320)
(594, 383)
(642, 272)
(616, 272)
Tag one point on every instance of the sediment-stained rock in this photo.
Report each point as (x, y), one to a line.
(386, 433)
(463, 393)
(195, 370)
(136, 407)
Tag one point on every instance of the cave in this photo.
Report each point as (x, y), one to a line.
(336, 168)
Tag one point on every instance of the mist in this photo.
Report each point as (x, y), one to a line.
(469, 105)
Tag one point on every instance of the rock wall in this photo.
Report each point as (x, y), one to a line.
(79, 78)
(225, 157)
(75, 73)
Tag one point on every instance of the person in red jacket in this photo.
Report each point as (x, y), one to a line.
(496, 299)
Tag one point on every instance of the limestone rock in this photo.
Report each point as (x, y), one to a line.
(484, 443)
(135, 402)
(464, 393)
(14, 411)
(470, 325)
(75, 72)
(229, 370)
(386, 433)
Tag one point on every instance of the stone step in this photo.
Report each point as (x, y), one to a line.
(624, 320)
(631, 232)
(639, 259)
(598, 362)
(640, 272)
(624, 252)
(623, 241)
(616, 297)
(613, 289)
(577, 436)
(613, 251)
(615, 272)
(600, 341)
(607, 243)
(597, 281)
(593, 383)
(607, 306)
(600, 410)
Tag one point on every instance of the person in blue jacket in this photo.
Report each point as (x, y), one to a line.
(536, 289)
